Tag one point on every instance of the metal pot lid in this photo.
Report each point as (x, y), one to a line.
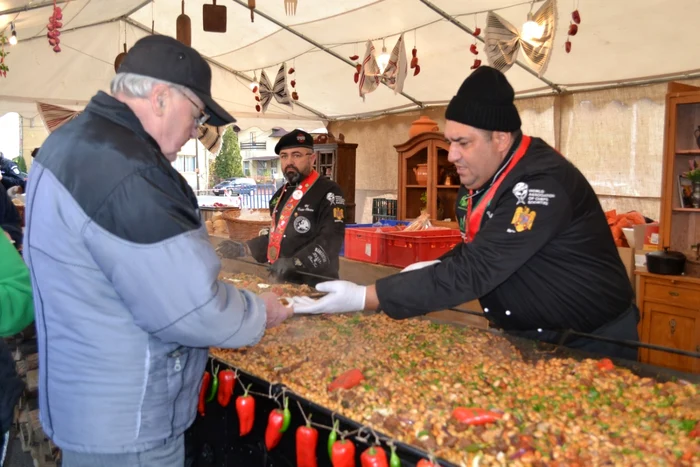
(666, 254)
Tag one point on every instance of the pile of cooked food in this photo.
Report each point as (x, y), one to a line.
(471, 396)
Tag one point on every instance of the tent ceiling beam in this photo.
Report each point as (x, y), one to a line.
(77, 28)
(241, 75)
(469, 31)
(316, 44)
(31, 6)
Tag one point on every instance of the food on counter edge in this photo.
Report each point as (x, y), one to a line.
(428, 384)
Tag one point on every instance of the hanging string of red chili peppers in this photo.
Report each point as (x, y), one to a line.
(473, 48)
(3, 66)
(293, 83)
(414, 56)
(573, 26)
(53, 28)
(358, 67)
(255, 89)
(339, 445)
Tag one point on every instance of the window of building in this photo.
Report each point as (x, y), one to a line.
(246, 168)
(262, 167)
(185, 163)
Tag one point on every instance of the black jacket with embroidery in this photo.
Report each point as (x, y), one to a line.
(545, 259)
(315, 233)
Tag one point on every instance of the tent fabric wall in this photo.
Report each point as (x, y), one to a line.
(614, 136)
(613, 45)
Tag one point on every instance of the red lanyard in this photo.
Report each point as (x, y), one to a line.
(473, 223)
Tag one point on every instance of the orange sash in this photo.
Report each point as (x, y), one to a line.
(474, 218)
(277, 229)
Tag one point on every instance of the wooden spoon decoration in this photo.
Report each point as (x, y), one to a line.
(184, 27)
(251, 5)
(120, 58)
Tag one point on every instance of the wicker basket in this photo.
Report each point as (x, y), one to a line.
(244, 229)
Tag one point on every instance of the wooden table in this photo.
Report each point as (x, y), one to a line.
(363, 273)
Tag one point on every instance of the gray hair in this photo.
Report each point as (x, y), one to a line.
(134, 85)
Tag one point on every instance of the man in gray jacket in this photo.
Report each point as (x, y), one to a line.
(124, 277)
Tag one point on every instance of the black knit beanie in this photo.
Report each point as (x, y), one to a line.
(485, 101)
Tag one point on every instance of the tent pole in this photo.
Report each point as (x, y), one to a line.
(469, 31)
(138, 25)
(316, 44)
(29, 7)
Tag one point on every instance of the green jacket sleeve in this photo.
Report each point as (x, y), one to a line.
(16, 303)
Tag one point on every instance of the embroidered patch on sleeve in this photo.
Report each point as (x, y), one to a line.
(523, 218)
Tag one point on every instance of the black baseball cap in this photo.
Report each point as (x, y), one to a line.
(167, 59)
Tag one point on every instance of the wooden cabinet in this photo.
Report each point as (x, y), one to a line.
(670, 308)
(425, 182)
(670, 305)
(679, 228)
(336, 160)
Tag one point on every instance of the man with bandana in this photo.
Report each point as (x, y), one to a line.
(307, 228)
(537, 253)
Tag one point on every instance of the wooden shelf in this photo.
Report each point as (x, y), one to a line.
(439, 201)
(686, 209)
(688, 152)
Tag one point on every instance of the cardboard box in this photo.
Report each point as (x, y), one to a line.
(628, 257)
(646, 237)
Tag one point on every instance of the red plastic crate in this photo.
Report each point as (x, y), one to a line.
(405, 248)
(367, 243)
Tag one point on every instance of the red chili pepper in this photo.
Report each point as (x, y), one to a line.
(695, 432)
(273, 433)
(605, 364)
(475, 416)
(425, 463)
(347, 380)
(245, 407)
(227, 379)
(307, 439)
(203, 393)
(343, 454)
(576, 16)
(374, 456)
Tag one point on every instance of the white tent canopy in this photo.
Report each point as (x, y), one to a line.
(619, 41)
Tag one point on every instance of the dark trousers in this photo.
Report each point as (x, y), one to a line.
(624, 327)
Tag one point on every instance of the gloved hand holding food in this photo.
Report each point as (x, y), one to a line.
(228, 249)
(343, 297)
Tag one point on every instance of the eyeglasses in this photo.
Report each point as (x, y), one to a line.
(203, 116)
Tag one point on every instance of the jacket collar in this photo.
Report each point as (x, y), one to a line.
(506, 160)
(108, 107)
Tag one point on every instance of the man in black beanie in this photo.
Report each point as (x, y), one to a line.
(308, 214)
(537, 252)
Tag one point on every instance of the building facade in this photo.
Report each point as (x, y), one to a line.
(258, 151)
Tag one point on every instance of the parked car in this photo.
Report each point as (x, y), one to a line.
(235, 186)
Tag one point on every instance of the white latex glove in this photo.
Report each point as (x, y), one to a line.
(420, 265)
(343, 296)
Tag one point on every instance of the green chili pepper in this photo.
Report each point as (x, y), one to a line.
(394, 460)
(287, 416)
(214, 388)
(332, 438)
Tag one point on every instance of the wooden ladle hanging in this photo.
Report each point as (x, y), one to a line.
(184, 27)
(251, 5)
(120, 58)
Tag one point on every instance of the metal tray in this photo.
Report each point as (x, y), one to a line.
(213, 440)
